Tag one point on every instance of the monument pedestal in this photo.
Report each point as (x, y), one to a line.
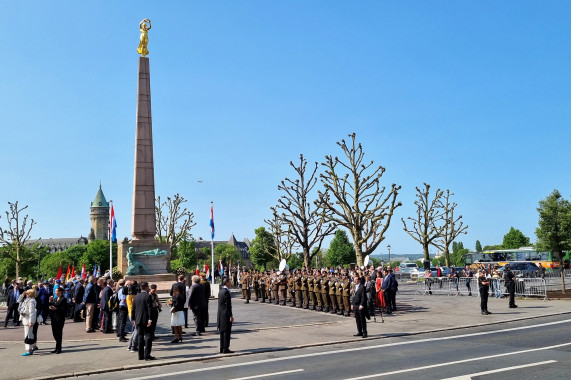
(154, 264)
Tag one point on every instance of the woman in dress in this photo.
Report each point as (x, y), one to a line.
(379, 293)
(28, 314)
(177, 314)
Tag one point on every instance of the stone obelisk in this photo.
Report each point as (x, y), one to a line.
(143, 226)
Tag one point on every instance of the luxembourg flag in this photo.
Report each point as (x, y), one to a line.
(95, 270)
(113, 226)
(212, 219)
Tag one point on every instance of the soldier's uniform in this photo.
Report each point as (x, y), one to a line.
(346, 288)
(339, 295)
(262, 286)
(310, 289)
(291, 289)
(325, 293)
(317, 290)
(275, 287)
(269, 287)
(332, 295)
(283, 288)
(246, 284)
(304, 290)
(297, 289)
(256, 284)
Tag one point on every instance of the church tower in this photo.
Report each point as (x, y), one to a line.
(99, 217)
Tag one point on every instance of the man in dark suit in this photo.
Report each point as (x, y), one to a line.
(105, 296)
(225, 317)
(12, 305)
(196, 303)
(142, 314)
(77, 298)
(359, 306)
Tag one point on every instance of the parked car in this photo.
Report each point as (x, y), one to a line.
(407, 267)
(522, 269)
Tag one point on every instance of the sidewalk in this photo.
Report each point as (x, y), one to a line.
(258, 328)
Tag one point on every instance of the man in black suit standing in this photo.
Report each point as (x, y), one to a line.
(142, 313)
(12, 305)
(107, 312)
(196, 303)
(225, 317)
(359, 306)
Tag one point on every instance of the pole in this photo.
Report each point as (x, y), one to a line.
(212, 242)
(110, 244)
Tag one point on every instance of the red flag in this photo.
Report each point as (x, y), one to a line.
(59, 272)
(73, 272)
(83, 273)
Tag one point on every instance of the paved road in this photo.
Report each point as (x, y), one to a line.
(538, 348)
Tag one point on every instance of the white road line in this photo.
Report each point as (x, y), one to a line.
(268, 374)
(366, 347)
(469, 377)
(458, 362)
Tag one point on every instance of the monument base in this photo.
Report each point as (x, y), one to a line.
(152, 278)
(154, 264)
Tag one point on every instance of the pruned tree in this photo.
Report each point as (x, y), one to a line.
(15, 235)
(284, 239)
(173, 220)
(306, 225)
(453, 227)
(263, 248)
(354, 198)
(429, 224)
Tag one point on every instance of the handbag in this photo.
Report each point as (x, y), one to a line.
(28, 340)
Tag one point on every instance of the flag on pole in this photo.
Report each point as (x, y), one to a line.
(59, 272)
(98, 274)
(95, 270)
(220, 268)
(113, 226)
(197, 270)
(212, 219)
(83, 273)
(73, 271)
(67, 273)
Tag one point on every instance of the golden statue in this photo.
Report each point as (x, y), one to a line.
(144, 26)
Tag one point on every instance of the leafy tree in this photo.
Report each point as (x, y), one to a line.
(227, 253)
(478, 246)
(76, 253)
(98, 252)
(493, 247)
(354, 198)
(262, 248)
(296, 261)
(341, 251)
(186, 253)
(554, 229)
(50, 263)
(454, 248)
(15, 235)
(515, 239)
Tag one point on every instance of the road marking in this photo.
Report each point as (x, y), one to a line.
(458, 362)
(268, 374)
(469, 377)
(366, 347)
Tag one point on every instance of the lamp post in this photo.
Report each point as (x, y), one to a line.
(389, 249)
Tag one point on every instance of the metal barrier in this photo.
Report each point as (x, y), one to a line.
(524, 287)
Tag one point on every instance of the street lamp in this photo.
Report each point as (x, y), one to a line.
(389, 249)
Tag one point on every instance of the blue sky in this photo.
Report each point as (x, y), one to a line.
(469, 96)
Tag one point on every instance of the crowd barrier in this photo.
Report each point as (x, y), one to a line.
(468, 286)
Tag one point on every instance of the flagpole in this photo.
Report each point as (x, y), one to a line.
(212, 241)
(110, 243)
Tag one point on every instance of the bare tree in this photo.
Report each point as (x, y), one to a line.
(359, 202)
(453, 227)
(307, 226)
(173, 221)
(429, 223)
(285, 242)
(15, 235)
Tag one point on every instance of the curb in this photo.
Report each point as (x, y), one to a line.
(251, 352)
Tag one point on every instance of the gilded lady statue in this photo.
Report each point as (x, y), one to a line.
(144, 26)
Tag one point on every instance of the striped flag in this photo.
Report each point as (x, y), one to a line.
(67, 273)
(212, 219)
(95, 270)
(113, 226)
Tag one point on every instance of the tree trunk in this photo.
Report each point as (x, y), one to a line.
(18, 261)
(306, 258)
(359, 254)
(447, 256)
